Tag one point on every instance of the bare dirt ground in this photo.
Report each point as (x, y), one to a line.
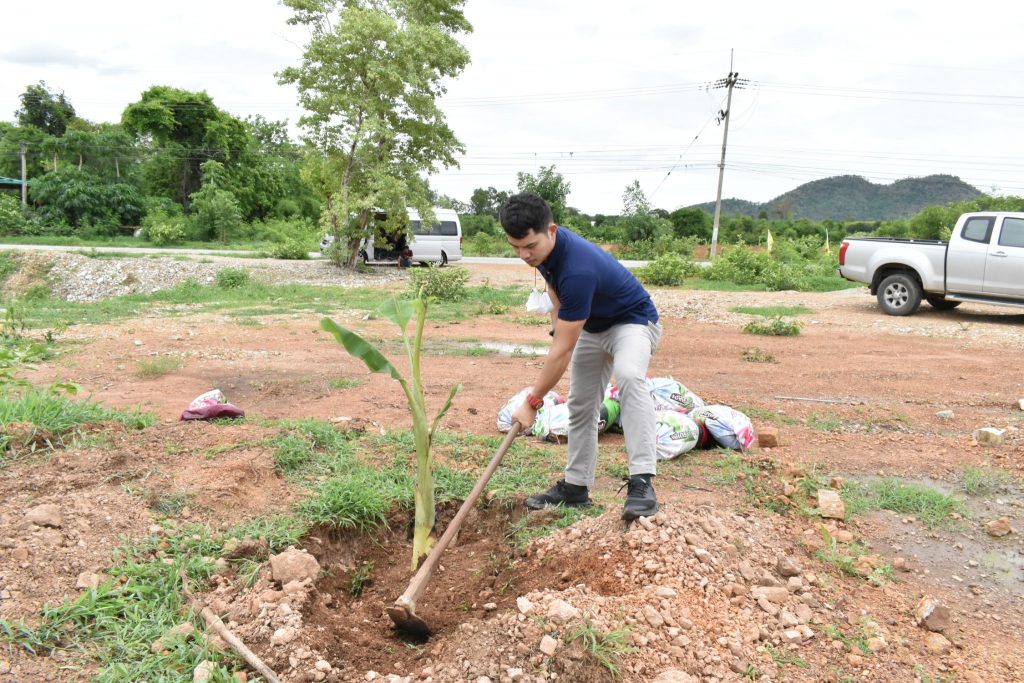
(855, 394)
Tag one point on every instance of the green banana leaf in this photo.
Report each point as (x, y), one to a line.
(361, 349)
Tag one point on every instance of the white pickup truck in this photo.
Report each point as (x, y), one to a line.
(983, 262)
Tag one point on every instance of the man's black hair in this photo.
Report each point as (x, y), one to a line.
(524, 213)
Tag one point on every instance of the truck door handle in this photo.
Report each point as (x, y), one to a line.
(1000, 254)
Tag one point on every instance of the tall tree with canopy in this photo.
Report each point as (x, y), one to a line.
(188, 129)
(369, 81)
(549, 184)
(48, 111)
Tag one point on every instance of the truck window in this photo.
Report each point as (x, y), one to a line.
(1012, 234)
(978, 229)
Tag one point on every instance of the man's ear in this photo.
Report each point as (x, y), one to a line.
(552, 229)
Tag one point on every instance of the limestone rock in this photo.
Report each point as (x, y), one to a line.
(776, 594)
(46, 514)
(89, 580)
(524, 605)
(989, 436)
(653, 617)
(768, 437)
(945, 414)
(932, 614)
(548, 646)
(294, 565)
(938, 644)
(998, 527)
(562, 612)
(830, 505)
(203, 671)
(787, 567)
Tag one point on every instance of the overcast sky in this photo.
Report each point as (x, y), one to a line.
(608, 92)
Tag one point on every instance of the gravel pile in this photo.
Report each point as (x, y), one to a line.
(74, 277)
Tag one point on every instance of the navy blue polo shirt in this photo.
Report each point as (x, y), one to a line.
(592, 285)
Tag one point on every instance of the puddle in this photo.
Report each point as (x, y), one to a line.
(513, 349)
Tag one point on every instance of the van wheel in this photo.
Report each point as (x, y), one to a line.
(444, 259)
(940, 303)
(899, 294)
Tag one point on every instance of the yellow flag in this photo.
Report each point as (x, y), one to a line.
(769, 242)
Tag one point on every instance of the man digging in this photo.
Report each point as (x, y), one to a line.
(605, 324)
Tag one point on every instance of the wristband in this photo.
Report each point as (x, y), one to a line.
(534, 402)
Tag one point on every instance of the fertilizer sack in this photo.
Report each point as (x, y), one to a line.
(728, 426)
(676, 433)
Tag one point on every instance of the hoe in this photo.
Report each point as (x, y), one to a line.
(403, 612)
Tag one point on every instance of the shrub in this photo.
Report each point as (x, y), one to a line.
(216, 214)
(233, 278)
(12, 220)
(745, 267)
(162, 227)
(439, 284)
(80, 198)
(290, 249)
(776, 327)
(667, 270)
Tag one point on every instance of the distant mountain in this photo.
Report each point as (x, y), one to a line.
(851, 197)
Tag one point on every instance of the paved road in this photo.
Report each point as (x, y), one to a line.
(484, 260)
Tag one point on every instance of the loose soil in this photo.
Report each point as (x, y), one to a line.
(855, 394)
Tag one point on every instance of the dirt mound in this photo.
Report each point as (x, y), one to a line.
(704, 592)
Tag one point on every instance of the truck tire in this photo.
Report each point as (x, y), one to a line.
(899, 294)
(941, 303)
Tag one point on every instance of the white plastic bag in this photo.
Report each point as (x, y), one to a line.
(210, 398)
(670, 394)
(538, 302)
(552, 422)
(505, 414)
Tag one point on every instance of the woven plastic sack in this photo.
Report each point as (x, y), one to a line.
(670, 394)
(552, 423)
(505, 414)
(729, 427)
(676, 434)
(209, 406)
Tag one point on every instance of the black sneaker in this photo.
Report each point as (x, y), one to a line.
(640, 498)
(561, 493)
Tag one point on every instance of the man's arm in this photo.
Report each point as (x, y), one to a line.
(567, 332)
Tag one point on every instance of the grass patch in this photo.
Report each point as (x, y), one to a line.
(845, 560)
(756, 355)
(772, 311)
(776, 327)
(606, 648)
(35, 420)
(538, 525)
(983, 481)
(345, 382)
(933, 507)
(157, 367)
(731, 468)
(756, 413)
(825, 423)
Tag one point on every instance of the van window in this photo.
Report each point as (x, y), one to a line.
(1012, 234)
(978, 229)
(444, 228)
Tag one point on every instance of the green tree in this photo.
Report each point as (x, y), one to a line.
(487, 202)
(48, 111)
(550, 185)
(216, 212)
(80, 198)
(187, 129)
(692, 222)
(637, 220)
(369, 81)
(36, 141)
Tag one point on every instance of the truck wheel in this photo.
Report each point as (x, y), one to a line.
(940, 303)
(899, 294)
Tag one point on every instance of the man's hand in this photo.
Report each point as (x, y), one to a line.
(525, 415)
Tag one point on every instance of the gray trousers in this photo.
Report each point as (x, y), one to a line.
(623, 351)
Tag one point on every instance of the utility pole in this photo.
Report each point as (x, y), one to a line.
(24, 178)
(731, 81)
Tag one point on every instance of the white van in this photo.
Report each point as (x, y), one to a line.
(438, 243)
